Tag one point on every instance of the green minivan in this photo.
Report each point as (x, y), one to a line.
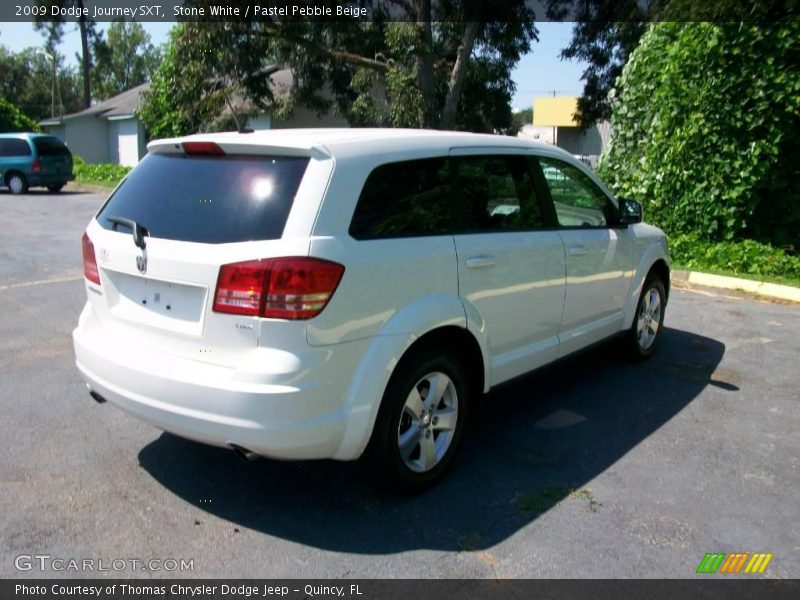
(34, 160)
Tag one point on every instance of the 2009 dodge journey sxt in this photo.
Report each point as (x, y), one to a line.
(337, 293)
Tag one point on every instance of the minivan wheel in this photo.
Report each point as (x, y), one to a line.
(420, 422)
(17, 184)
(649, 319)
(55, 188)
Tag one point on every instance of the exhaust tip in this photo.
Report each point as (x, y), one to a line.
(97, 397)
(243, 452)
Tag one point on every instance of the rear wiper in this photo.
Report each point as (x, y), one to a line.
(138, 231)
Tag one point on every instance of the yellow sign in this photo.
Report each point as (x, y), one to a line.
(555, 111)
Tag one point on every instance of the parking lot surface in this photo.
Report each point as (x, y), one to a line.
(591, 468)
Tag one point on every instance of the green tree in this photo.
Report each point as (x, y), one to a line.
(521, 118)
(54, 29)
(125, 60)
(12, 118)
(707, 130)
(445, 66)
(26, 80)
(607, 31)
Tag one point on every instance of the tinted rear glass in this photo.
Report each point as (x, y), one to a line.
(50, 146)
(212, 200)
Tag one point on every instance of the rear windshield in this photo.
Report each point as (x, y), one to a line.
(50, 146)
(211, 200)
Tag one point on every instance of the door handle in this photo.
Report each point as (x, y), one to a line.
(480, 262)
(578, 250)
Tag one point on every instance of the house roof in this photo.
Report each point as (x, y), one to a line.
(121, 105)
(556, 111)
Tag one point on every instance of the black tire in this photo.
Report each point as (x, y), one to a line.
(383, 459)
(55, 188)
(641, 339)
(17, 183)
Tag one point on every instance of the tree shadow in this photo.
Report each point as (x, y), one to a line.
(530, 444)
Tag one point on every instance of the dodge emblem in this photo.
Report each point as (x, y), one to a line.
(141, 263)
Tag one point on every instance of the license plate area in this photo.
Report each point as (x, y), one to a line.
(167, 305)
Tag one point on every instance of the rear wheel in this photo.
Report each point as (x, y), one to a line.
(649, 319)
(420, 421)
(16, 183)
(56, 187)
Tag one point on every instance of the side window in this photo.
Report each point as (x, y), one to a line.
(496, 193)
(404, 199)
(14, 147)
(577, 199)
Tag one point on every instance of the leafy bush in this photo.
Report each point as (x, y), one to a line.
(13, 119)
(105, 174)
(707, 130)
(746, 257)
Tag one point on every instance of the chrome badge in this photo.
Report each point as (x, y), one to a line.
(141, 263)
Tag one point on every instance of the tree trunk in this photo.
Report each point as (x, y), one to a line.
(457, 75)
(425, 64)
(86, 58)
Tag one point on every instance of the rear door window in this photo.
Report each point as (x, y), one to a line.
(212, 200)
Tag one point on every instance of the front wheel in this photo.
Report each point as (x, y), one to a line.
(420, 421)
(649, 319)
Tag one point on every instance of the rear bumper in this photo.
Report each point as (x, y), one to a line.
(35, 180)
(293, 415)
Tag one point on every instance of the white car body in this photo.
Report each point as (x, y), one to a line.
(311, 389)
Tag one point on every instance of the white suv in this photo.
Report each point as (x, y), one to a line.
(336, 293)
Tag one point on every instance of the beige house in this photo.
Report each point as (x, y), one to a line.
(109, 131)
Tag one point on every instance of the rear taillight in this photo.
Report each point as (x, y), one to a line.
(36, 167)
(277, 288)
(89, 261)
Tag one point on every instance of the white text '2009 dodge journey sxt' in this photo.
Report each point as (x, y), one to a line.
(336, 293)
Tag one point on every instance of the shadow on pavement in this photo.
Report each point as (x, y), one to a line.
(44, 192)
(530, 444)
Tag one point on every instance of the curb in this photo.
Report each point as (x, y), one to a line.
(762, 288)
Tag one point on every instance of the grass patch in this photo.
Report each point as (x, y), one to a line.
(105, 175)
(747, 259)
(470, 542)
(550, 495)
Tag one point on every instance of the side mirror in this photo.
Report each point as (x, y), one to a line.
(630, 211)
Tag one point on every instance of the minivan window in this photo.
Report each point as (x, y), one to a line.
(14, 147)
(208, 199)
(409, 198)
(496, 193)
(50, 146)
(577, 199)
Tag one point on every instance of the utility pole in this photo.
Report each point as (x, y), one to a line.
(53, 82)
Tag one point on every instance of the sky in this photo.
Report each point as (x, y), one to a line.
(537, 74)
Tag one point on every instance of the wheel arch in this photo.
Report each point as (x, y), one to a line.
(8, 174)
(653, 260)
(385, 356)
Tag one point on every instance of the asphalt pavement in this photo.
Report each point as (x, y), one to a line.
(592, 468)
